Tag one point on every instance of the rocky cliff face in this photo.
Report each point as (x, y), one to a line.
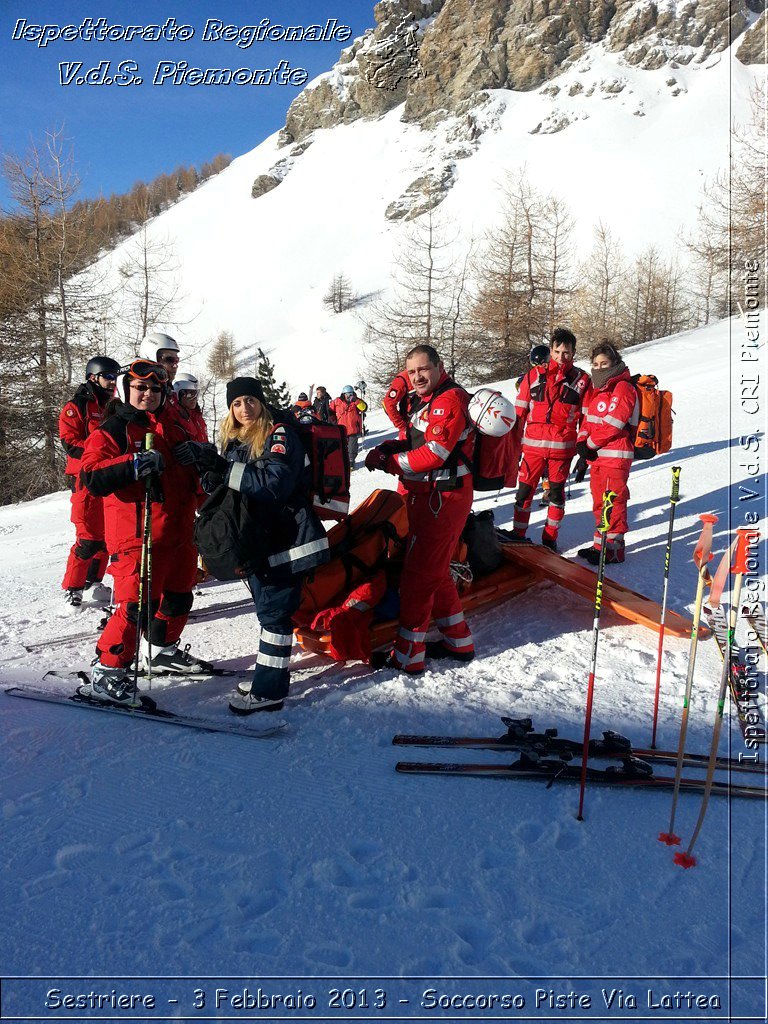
(372, 76)
(752, 49)
(441, 60)
(436, 55)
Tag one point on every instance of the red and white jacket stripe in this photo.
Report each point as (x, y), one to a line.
(611, 419)
(441, 423)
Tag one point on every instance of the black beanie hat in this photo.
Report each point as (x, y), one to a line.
(244, 386)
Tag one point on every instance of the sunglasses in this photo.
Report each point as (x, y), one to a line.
(108, 376)
(143, 369)
(155, 389)
(169, 359)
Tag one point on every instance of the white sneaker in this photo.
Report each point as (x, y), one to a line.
(249, 704)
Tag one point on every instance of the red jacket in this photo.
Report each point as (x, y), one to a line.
(442, 441)
(549, 406)
(348, 415)
(107, 471)
(78, 419)
(611, 420)
(396, 402)
(192, 423)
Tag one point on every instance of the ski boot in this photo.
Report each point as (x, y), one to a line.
(176, 660)
(112, 686)
(591, 555)
(74, 597)
(549, 542)
(250, 704)
(437, 649)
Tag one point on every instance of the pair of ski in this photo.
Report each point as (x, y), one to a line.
(547, 756)
(147, 708)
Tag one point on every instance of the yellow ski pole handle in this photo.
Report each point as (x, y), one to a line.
(675, 495)
(608, 499)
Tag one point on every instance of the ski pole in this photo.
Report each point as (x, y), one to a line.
(701, 557)
(608, 499)
(744, 539)
(673, 499)
(146, 540)
(149, 440)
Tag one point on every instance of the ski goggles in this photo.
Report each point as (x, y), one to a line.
(143, 369)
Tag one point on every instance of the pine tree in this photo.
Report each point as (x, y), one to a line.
(277, 395)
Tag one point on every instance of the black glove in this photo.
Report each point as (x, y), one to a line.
(204, 456)
(580, 469)
(211, 482)
(585, 452)
(376, 459)
(146, 463)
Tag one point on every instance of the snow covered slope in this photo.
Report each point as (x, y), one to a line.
(620, 144)
(138, 849)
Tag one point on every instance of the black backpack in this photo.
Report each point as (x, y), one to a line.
(231, 542)
(484, 552)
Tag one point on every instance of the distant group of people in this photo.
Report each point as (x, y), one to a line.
(562, 413)
(348, 410)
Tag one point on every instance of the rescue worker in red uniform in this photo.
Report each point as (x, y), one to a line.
(435, 469)
(549, 406)
(395, 402)
(115, 466)
(187, 410)
(78, 419)
(607, 444)
(349, 416)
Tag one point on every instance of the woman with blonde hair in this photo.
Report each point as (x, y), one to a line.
(263, 458)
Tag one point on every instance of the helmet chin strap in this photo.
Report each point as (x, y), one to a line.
(101, 392)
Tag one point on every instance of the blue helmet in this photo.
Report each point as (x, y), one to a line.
(347, 390)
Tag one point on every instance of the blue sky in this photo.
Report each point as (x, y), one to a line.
(125, 133)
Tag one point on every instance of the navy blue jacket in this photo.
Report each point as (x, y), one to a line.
(277, 488)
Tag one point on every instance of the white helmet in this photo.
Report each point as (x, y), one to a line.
(153, 343)
(185, 382)
(491, 412)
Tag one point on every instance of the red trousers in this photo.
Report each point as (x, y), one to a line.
(88, 555)
(532, 467)
(174, 570)
(610, 475)
(435, 522)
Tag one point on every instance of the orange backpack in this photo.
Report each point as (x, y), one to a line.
(363, 543)
(654, 427)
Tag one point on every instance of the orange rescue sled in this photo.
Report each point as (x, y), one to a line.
(577, 578)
